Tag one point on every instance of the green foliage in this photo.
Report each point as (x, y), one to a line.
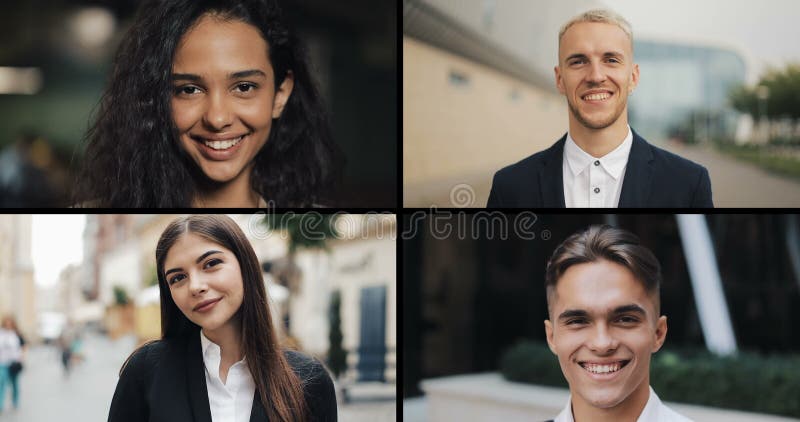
(152, 277)
(121, 296)
(782, 90)
(337, 356)
(311, 230)
(765, 157)
(746, 381)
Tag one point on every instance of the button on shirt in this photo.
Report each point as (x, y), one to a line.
(591, 182)
(233, 400)
(654, 411)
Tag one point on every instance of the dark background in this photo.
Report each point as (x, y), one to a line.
(352, 44)
(466, 301)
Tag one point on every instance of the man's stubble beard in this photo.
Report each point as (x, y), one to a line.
(596, 126)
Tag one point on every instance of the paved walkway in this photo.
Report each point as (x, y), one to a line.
(737, 183)
(47, 395)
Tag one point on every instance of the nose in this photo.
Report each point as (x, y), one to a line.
(602, 340)
(596, 74)
(197, 285)
(218, 113)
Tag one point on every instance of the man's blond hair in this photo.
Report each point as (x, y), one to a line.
(602, 16)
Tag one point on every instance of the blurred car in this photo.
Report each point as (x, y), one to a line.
(51, 324)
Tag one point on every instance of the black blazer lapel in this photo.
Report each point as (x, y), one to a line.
(551, 177)
(638, 175)
(196, 378)
(257, 413)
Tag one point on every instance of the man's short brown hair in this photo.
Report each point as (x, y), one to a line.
(609, 243)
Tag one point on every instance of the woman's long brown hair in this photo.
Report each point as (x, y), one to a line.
(278, 387)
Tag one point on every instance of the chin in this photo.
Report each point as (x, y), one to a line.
(604, 399)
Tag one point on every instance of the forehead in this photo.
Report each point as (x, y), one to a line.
(598, 287)
(188, 248)
(594, 38)
(226, 45)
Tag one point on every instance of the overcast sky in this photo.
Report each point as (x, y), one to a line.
(765, 32)
(56, 241)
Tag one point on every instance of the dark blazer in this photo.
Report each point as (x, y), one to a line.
(165, 382)
(653, 178)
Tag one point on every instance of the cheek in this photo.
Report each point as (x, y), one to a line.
(185, 115)
(257, 114)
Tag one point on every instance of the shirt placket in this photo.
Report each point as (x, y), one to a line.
(596, 185)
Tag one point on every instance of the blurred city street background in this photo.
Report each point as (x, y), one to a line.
(87, 284)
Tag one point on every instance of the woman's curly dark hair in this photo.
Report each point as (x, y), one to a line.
(133, 157)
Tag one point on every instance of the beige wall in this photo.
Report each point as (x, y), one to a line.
(463, 134)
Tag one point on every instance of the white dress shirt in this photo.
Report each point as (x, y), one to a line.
(231, 401)
(591, 182)
(654, 411)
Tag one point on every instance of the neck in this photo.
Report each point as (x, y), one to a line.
(627, 411)
(237, 193)
(599, 142)
(228, 338)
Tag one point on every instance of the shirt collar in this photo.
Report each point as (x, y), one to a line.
(614, 162)
(651, 411)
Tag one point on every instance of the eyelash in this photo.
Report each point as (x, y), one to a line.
(628, 320)
(210, 263)
(250, 87)
(616, 61)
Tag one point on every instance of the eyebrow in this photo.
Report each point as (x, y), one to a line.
(584, 56)
(624, 309)
(235, 75)
(197, 261)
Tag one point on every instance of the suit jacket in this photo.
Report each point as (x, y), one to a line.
(165, 382)
(653, 178)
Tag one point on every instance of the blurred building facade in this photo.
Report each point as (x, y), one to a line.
(683, 91)
(17, 288)
(359, 264)
(479, 91)
(472, 292)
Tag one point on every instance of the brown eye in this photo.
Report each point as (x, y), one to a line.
(246, 87)
(176, 279)
(212, 263)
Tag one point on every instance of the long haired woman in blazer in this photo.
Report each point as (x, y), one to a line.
(219, 358)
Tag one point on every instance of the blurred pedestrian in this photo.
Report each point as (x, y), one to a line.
(9, 323)
(219, 358)
(9, 353)
(66, 343)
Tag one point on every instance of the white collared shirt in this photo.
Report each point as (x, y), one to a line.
(654, 411)
(591, 182)
(233, 400)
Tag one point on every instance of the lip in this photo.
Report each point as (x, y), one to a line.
(219, 155)
(206, 305)
(607, 376)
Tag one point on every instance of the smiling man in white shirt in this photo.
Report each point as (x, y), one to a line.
(600, 162)
(604, 324)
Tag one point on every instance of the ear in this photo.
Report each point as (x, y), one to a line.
(634, 79)
(548, 329)
(661, 333)
(559, 81)
(282, 95)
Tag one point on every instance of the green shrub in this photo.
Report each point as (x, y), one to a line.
(746, 381)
